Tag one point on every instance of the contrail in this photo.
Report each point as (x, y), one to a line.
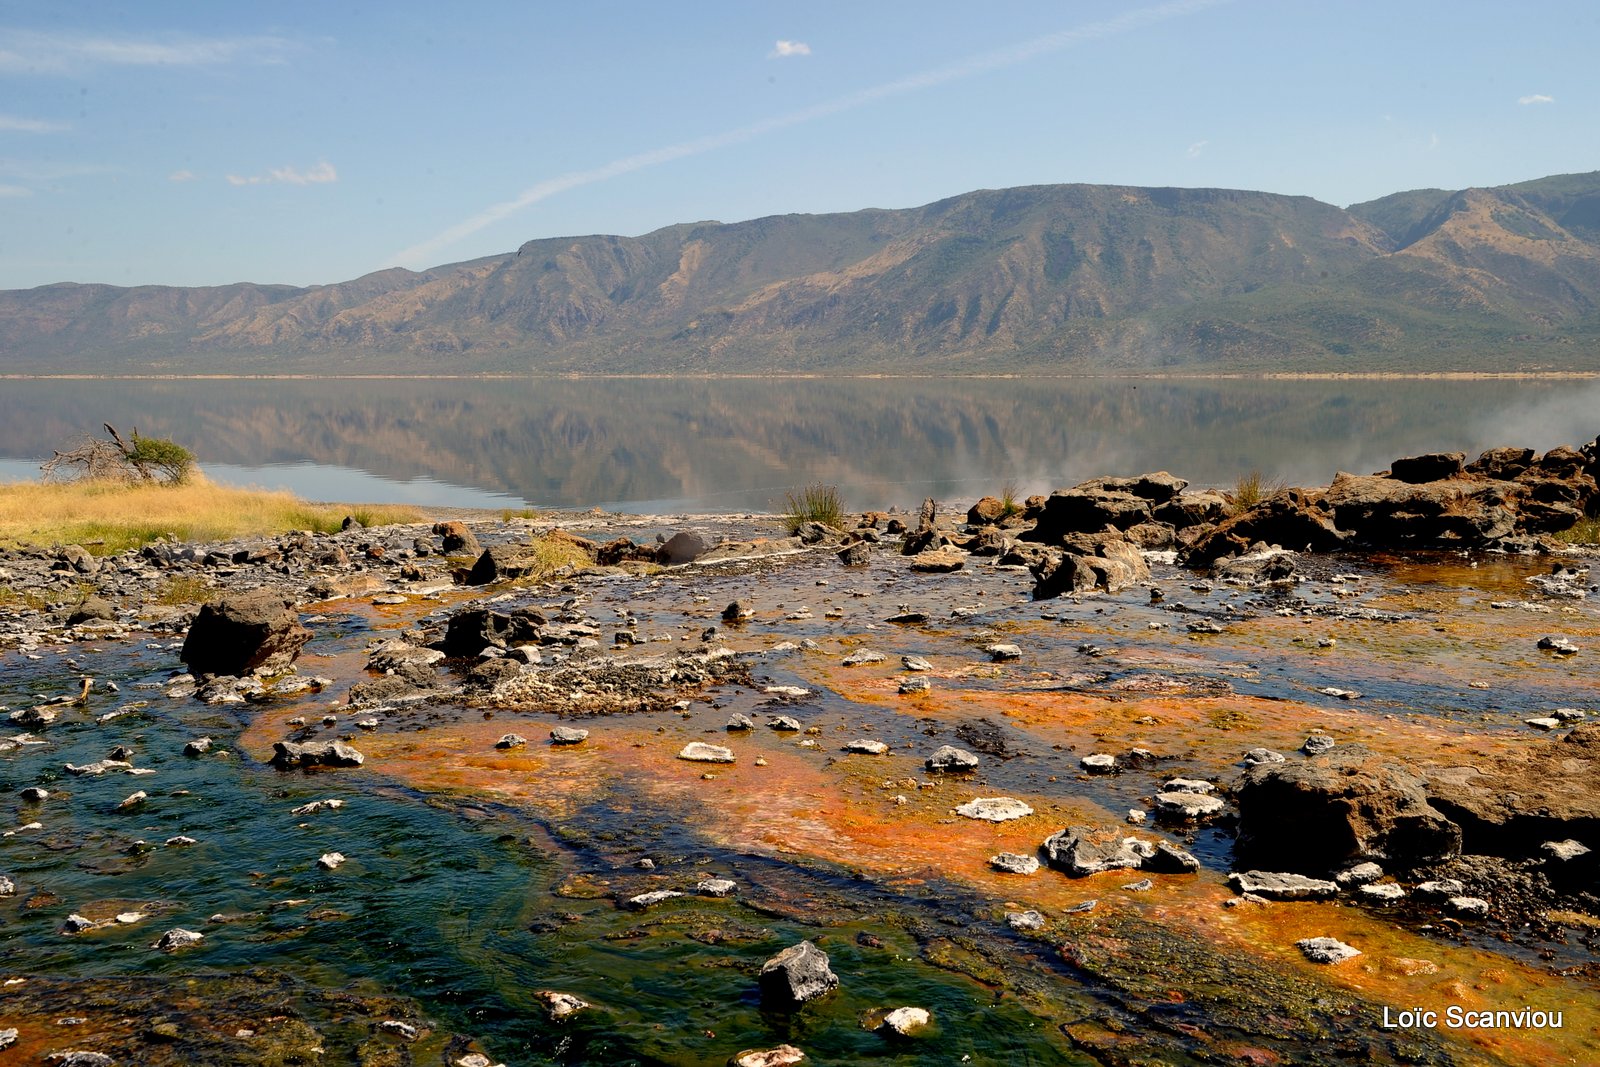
(426, 252)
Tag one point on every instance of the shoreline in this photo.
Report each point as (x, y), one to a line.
(865, 376)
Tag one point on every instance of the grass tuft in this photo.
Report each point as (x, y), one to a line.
(1009, 504)
(109, 517)
(551, 554)
(814, 503)
(1584, 532)
(1252, 489)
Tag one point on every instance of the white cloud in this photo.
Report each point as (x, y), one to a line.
(320, 174)
(33, 52)
(13, 124)
(424, 252)
(14, 190)
(1536, 98)
(182, 176)
(1196, 148)
(789, 48)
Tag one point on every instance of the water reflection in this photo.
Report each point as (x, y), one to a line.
(741, 444)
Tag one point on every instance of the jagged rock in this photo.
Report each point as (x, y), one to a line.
(1082, 850)
(1326, 950)
(1014, 863)
(567, 735)
(472, 631)
(986, 512)
(1275, 885)
(856, 554)
(1107, 563)
(951, 758)
(1294, 518)
(797, 974)
(177, 938)
(287, 754)
(511, 741)
(244, 633)
(1317, 744)
(716, 887)
(1346, 806)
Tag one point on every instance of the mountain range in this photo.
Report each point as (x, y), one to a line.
(1039, 279)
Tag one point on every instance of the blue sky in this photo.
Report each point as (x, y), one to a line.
(304, 143)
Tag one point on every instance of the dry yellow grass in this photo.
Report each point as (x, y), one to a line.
(108, 517)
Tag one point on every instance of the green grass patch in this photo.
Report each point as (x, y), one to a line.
(814, 503)
(1583, 532)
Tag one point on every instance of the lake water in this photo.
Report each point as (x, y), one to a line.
(731, 445)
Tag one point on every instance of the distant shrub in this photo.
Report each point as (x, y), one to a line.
(814, 503)
(141, 459)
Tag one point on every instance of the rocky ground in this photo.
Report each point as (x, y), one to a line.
(1141, 729)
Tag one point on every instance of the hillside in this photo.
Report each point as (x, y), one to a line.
(1075, 278)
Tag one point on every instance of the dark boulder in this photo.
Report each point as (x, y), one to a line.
(986, 512)
(622, 550)
(1502, 463)
(1294, 518)
(1108, 563)
(471, 631)
(248, 632)
(1348, 806)
(1433, 467)
(457, 539)
(289, 754)
(685, 546)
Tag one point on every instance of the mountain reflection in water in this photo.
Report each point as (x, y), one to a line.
(741, 444)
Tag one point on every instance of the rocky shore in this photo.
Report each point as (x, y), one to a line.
(1121, 707)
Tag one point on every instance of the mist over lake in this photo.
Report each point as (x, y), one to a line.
(741, 444)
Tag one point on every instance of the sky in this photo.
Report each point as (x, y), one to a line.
(309, 143)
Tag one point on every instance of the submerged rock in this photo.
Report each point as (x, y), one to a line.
(1273, 885)
(560, 1005)
(700, 752)
(782, 1056)
(288, 754)
(994, 809)
(1326, 950)
(906, 1021)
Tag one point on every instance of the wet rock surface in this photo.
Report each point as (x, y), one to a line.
(1094, 676)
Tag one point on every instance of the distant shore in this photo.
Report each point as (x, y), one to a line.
(1151, 376)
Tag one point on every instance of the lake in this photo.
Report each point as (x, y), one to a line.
(733, 445)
